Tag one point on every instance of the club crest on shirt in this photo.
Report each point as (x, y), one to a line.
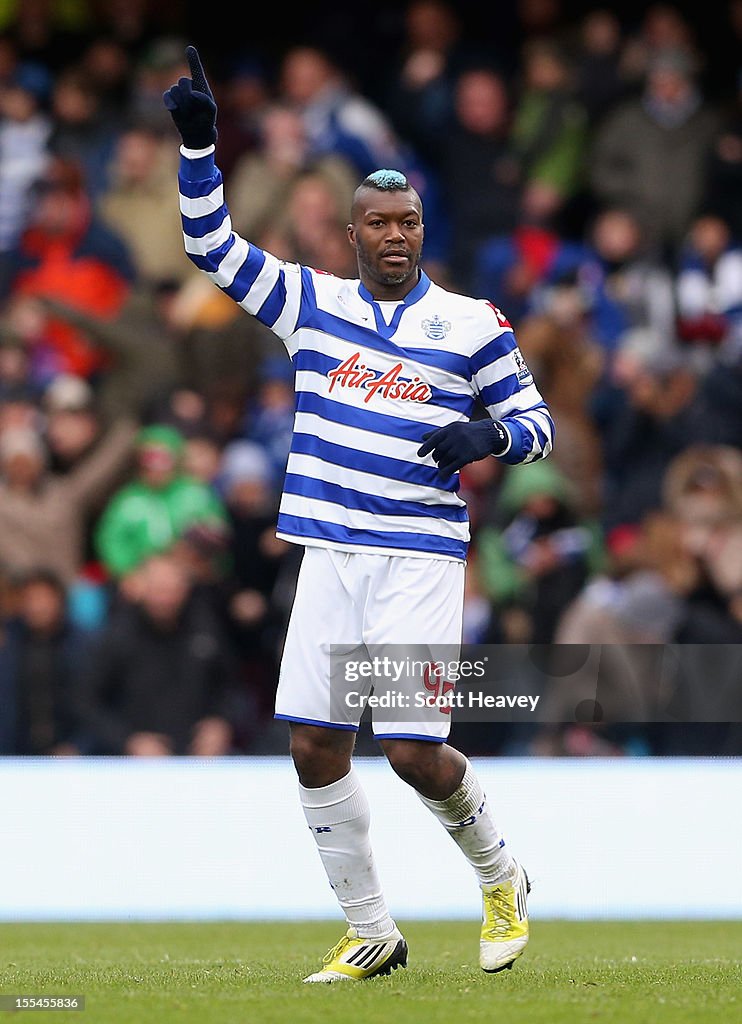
(435, 328)
(524, 374)
(353, 374)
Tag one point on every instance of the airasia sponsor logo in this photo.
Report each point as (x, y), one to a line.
(353, 374)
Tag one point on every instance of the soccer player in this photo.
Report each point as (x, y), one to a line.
(388, 371)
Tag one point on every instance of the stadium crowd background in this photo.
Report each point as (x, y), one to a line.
(579, 168)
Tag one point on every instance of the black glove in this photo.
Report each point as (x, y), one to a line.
(191, 105)
(458, 444)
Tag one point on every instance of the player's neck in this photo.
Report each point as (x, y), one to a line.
(390, 292)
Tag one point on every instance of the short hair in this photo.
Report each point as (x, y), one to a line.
(386, 180)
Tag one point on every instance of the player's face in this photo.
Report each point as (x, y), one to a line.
(387, 234)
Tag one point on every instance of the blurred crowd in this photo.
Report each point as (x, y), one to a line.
(583, 172)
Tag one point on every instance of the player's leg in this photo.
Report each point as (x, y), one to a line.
(322, 738)
(447, 784)
(416, 601)
(337, 813)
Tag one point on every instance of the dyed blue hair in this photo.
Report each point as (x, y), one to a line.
(386, 180)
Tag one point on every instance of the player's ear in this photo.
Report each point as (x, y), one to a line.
(351, 235)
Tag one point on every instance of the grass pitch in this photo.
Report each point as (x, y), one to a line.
(234, 973)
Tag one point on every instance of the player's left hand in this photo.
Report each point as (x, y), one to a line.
(192, 106)
(457, 444)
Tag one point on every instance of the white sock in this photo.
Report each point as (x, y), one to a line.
(467, 818)
(338, 816)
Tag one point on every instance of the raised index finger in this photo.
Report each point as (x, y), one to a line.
(197, 72)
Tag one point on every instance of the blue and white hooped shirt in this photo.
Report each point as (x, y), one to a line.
(367, 389)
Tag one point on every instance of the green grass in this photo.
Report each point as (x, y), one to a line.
(235, 973)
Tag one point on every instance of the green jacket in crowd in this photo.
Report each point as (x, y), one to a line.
(141, 521)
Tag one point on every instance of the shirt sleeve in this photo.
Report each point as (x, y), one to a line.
(280, 295)
(502, 379)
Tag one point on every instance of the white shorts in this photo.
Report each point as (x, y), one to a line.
(352, 607)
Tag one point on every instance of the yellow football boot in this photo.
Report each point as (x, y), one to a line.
(355, 959)
(504, 923)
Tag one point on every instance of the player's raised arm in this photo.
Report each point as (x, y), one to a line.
(260, 283)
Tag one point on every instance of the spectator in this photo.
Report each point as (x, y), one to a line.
(511, 269)
(539, 19)
(73, 423)
(337, 118)
(140, 348)
(256, 621)
(419, 94)
(43, 516)
(243, 94)
(664, 136)
(40, 661)
(661, 412)
(549, 135)
(84, 132)
(21, 412)
(160, 679)
(246, 485)
(158, 61)
(262, 180)
(722, 194)
(25, 128)
(17, 380)
(137, 205)
(702, 488)
(537, 554)
(106, 63)
(24, 323)
(341, 121)
(482, 184)
(202, 456)
(621, 621)
(569, 364)
(67, 253)
(479, 483)
(621, 284)
(477, 626)
(270, 416)
(313, 217)
(626, 286)
(73, 429)
(600, 80)
(41, 34)
(708, 287)
(217, 351)
(170, 340)
(636, 595)
(662, 28)
(131, 25)
(149, 513)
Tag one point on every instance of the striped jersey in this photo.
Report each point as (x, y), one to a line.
(370, 380)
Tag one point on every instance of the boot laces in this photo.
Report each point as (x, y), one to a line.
(337, 950)
(499, 911)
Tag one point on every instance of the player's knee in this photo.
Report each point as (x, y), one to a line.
(306, 750)
(412, 761)
(320, 756)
